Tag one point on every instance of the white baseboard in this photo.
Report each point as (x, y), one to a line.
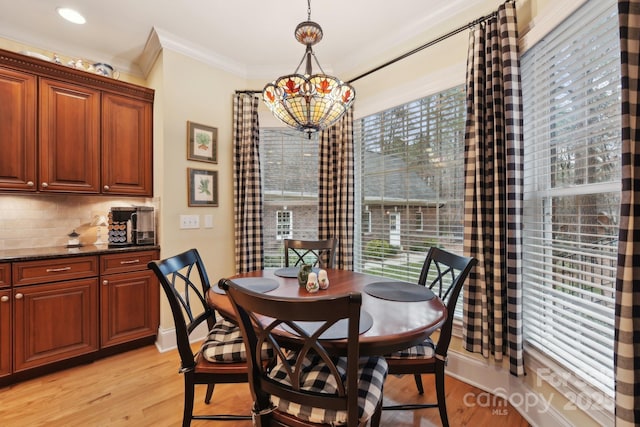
(166, 338)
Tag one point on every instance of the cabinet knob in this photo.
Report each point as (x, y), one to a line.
(106, 188)
(4, 298)
(105, 282)
(19, 296)
(45, 185)
(29, 183)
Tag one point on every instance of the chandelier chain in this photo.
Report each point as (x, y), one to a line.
(308, 10)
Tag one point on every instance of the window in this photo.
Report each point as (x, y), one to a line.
(410, 159)
(366, 222)
(571, 89)
(289, 170)
(284, 225)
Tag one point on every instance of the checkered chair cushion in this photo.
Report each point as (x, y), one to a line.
(316, 377)
(424, 350)
(224, 344)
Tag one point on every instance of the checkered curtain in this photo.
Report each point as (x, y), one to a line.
(627, 329)
(335, 188)
(247, 188)
(493, 190)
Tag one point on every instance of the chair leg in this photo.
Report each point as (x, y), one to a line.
(207, 397)
(189, 393)
(377, 415)
(418, 379)
(442, 402)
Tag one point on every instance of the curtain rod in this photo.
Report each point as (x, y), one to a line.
(248, 92)
(426, 45)
(407, 54)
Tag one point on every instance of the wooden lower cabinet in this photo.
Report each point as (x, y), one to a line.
(130, 304)
(129, 297)
(60, 311)
(5, 332)
(53, 322)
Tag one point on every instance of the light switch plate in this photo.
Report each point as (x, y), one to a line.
(208, 221)
(189, 221)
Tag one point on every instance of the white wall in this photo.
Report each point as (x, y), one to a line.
(188, 90)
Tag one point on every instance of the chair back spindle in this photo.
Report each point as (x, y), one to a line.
(319, 253)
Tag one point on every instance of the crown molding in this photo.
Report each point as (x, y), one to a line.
(160, 39)
(362, 58)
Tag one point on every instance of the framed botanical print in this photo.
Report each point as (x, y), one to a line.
(202, 143)
(203, 187)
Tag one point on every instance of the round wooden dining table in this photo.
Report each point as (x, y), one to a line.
(396, 324)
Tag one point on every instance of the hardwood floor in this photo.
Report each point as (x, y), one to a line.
(143, 388)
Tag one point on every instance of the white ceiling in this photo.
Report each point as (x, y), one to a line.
(255, 36)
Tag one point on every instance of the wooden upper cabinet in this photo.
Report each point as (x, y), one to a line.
(17, 130)
(69, 138)
(127, 147)
(70, 131)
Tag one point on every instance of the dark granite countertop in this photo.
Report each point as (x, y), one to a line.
(30, 254)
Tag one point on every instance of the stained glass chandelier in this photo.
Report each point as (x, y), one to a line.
(308, 102)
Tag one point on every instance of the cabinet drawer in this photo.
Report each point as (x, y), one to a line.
(53, 270)
(5, 275)
(125, 262)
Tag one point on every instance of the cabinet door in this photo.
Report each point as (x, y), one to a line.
(54, 322)
(69, 138)
(18, 130)
(127, 146)
(5, 332)
(129, 307)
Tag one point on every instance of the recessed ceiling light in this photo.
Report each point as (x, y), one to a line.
(71, 15)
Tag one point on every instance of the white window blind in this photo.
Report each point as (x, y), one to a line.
(289, 171)
(410, 184)
(571, 94)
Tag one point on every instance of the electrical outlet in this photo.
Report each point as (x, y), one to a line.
(189, 221)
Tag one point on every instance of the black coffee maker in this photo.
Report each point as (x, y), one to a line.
(134, 225)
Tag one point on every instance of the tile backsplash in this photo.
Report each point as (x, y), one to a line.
(43, 220)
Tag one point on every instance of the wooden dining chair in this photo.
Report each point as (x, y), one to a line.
(221, 358)
(319, 253)
(305, 383)
(444, 273)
